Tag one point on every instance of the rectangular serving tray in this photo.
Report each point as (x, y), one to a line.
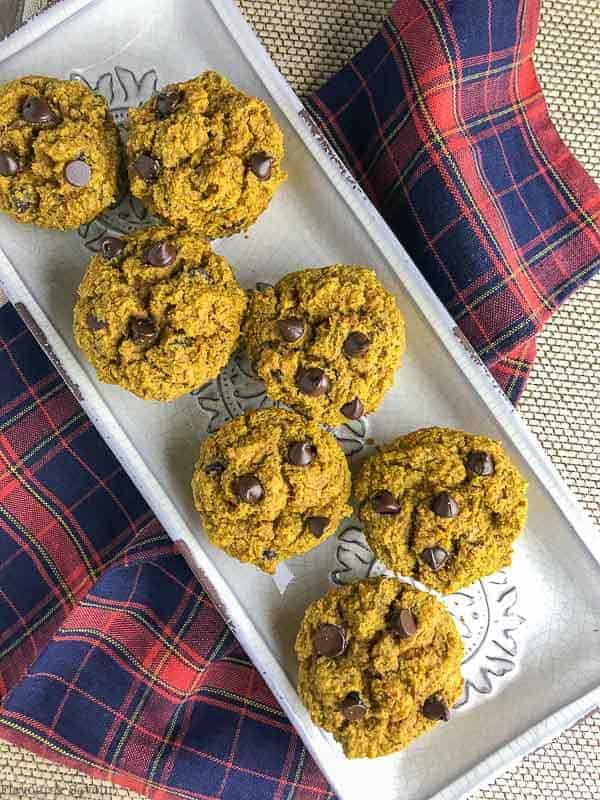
(532, 632)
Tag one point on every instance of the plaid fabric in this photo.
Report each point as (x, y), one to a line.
(442, 120)
(112, 658)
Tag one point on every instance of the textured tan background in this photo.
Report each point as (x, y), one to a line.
(310, 39)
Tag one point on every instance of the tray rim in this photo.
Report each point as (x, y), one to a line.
(392, 251)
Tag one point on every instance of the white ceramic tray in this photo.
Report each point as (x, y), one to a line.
(532, 632)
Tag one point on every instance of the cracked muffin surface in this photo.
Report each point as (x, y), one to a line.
(270, 485)
(326, 341)
(379, 665)
(59, 152)
(442, 506)
(204, 155)
(158, 312)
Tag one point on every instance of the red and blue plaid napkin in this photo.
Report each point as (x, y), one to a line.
(112, 658)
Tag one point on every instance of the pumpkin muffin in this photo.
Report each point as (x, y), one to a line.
(158, 313)
(442, 506)
(379, 665)
(204, 155)
(59, 152)
(270, 485)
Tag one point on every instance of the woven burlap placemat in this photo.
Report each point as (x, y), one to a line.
(309, 40)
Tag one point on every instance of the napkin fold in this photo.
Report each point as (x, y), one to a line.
(442, 120)
(112, 658)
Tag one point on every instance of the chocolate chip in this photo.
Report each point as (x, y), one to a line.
(261, 164)
(214, 469)
(444, 505)
(434, 557)
(167, 103)
(357, 344)
(353, 707)
(291, 329)
(111, 247)
(384, 502)
(269, 554)
(77, 172)
(9, 163)
(353, 410)
(95, 324)
(480, 463)
(435, 708)
(37, 111)
(312, 381)
(262, 287)
(403, 623)
(329, 640)
(161, 254)
(142, 331)
(147, 167)
(317, 525)
(248, 489)
(301, 454)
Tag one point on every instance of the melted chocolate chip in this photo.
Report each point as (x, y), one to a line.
(248, 489)
(147, 167)
(301, 454)
(384, 502)
(161, 254)
(77, 173)
(95, 324)
(353, 410)
(167, 103)
(480, 463)
(312, 381)
(353, 708)
(435, 708)
(329, 640)
(111, 247)
(291, 329)
(214, 469)
(357, 344)
(37, 111)
(434, 557)
(317, 525)
(10, 163)
(444, 505)
(143, 331)
(403, 623)
(269, 554)
(261, 165)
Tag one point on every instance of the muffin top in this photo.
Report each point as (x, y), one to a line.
(379, 664)
(326, 341)
(270, 485)
(158, 312)
(204, 155)
(59, 152)
(442, 506)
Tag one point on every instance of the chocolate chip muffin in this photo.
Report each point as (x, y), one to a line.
(326, 341)
(270, 485)
(442, 506)
(379, 664)
(204, 155)
(59, 152)
(158, 312)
